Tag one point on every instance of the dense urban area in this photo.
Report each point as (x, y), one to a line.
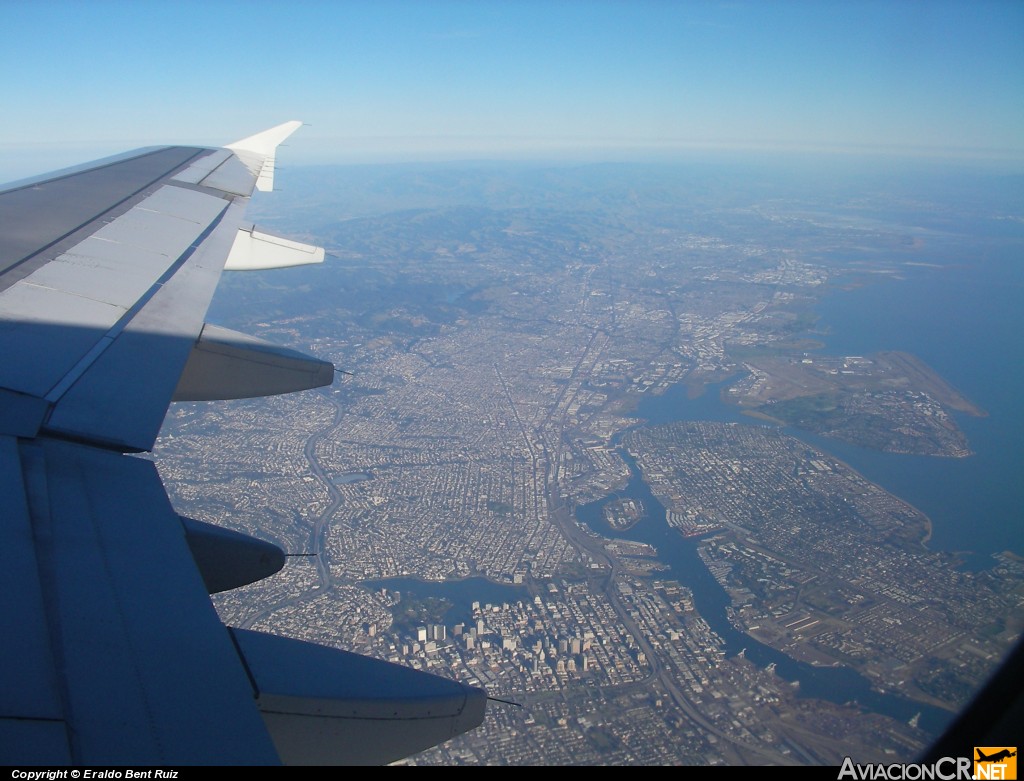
(509, 489)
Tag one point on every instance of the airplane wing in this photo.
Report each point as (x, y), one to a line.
(112, 652)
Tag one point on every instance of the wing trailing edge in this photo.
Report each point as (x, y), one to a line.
(113, 652)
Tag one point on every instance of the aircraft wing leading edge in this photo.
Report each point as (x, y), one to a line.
(112, 650)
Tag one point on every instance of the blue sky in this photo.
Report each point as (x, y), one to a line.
(392, 81)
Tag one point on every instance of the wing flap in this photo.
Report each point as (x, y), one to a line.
(104, 270)
(38, 215)
(201, 168)
(111, 278)
(28, 683)
(65, 309)
(39, 321)
(113, 653)
(231, 176)
(121, 398)
(150, 674)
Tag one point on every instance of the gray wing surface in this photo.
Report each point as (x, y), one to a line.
(112, 651)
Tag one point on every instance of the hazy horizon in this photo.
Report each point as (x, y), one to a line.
(401, 81)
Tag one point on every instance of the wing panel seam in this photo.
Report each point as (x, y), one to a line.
(33, 470)
(83, 365)
(11, 273)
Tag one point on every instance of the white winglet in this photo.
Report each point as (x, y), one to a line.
(266, 142)
(257, 152)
